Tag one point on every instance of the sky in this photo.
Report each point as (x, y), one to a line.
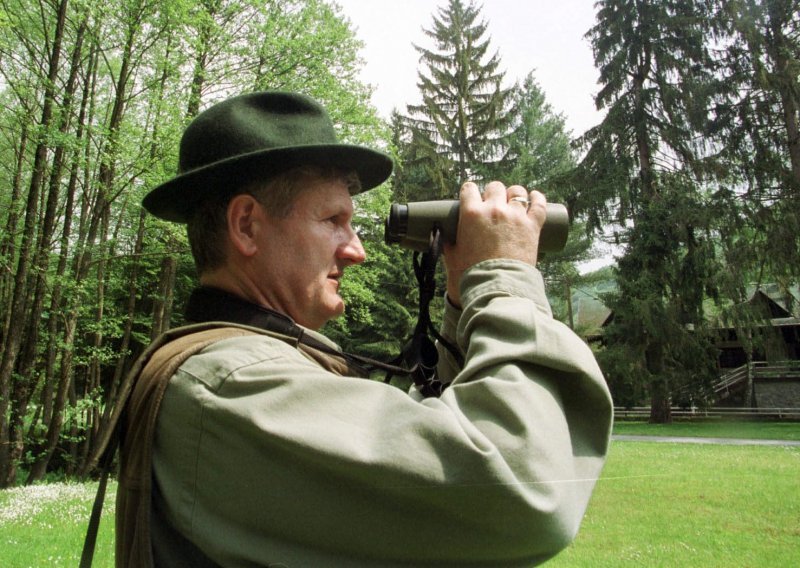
(545, 37)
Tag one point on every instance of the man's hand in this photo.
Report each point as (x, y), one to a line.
(498, 224)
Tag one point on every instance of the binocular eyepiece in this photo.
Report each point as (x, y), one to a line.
(410, 225)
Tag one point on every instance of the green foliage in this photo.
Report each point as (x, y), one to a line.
(659, 305)
(539, 146)
(460, 130)
(756, 117)
(112, 277)
(696, 167)
(422, 173)
(468, 127)
(653, 168)
(539, 155)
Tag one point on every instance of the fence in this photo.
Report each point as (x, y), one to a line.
(643, 412)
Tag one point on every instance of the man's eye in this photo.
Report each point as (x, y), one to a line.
(339, 219)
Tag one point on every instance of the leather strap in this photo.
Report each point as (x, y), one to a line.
(133, 420)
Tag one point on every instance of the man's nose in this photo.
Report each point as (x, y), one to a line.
(352, 250)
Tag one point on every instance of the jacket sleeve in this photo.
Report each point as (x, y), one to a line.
(263, 457)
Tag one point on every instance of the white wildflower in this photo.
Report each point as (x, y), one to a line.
(21, 505)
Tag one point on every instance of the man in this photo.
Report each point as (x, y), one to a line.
(270, 450)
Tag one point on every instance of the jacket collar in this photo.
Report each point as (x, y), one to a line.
(208, 304)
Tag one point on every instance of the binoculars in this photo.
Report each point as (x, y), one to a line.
(410, 225)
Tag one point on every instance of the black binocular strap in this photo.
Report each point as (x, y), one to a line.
(420, 355)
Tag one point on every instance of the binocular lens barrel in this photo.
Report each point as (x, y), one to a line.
(410, 225)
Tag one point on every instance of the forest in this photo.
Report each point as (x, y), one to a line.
(693, 175)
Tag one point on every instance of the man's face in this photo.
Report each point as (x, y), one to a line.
(303, 255)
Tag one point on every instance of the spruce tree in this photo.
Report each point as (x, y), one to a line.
(757, 127)
(539, 153)
(642, 171)
(539, 145)
(459, 130)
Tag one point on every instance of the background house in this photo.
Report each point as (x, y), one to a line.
(760, 363)
(759, 355)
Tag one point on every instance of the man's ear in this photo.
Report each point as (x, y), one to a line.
(245, 219)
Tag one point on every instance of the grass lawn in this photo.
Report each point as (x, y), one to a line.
(44, 525)
(689, 505)
(656, 505)
(766, 430)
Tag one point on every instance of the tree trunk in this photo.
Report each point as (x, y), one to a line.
(568, 292)
(120, 369)
(101, 214)
(660, 400)
(660, 411)
(18, 307)
(162, 307)
(53, 415)
(29, 352)
(7, 247)
(94, 378)
(201, 62)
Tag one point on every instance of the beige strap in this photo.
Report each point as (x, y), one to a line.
(133, 543)
(132, 422)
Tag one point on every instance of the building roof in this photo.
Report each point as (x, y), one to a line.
(590, 314)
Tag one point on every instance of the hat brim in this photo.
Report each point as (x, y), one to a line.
(176, 199)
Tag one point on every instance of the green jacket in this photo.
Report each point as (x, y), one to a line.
(262, 457)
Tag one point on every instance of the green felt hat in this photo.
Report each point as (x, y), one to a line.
(256, 136)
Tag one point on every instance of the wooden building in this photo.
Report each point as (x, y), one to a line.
(759, 365)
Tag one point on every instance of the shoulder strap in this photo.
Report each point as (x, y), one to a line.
(137, 408)
(132, 423)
